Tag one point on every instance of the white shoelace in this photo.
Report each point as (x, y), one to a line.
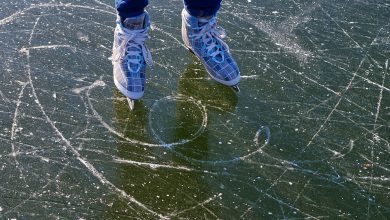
(132, 39)
(212, 36)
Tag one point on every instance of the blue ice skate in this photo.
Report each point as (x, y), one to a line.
(130, 56)
(203, 37)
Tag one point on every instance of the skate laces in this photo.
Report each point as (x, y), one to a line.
(132, 47)
(211, 36)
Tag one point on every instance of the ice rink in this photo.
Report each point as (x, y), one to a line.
(306, 138)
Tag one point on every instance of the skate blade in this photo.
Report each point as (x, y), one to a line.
(189, 49)
(131, 103)
(236, 88)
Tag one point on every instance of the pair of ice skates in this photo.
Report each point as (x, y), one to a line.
(201, 36)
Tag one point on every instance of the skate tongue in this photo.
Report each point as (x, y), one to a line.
(135, 23)
(204, 20)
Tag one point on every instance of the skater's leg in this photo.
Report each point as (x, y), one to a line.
(203, 37)
(202, 8)
(130, 54)
(130, 8)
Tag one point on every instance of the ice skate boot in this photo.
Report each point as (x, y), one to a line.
(203, 37)
(130, 56)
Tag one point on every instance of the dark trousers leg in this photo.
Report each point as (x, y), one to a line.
(197, 8)
(202, 8)
(130, 8)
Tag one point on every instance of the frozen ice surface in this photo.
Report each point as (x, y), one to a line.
(307, 136)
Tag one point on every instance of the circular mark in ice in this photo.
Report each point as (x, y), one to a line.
(179, 98)
(201, 129)
(266, 131)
